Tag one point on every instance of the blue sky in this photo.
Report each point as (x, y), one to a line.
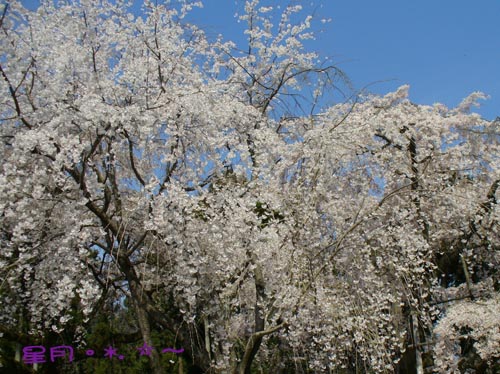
(444, 49)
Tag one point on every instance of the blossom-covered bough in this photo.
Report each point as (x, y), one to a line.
(139, 159)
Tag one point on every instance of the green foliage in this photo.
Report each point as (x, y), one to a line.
(117, 330)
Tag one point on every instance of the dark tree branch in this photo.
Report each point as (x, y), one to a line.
(15, 100)
(131, 156)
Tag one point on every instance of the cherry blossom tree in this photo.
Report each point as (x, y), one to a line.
(207, 186)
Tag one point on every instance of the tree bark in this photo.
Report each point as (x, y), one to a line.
(145, 327)
(419, 367)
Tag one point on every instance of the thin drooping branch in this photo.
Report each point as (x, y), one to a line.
(255, 340)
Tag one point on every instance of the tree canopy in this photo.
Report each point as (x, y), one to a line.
(203, 194)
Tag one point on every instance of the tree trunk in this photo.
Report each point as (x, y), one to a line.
(416, 342)
(139, 300)
(145, 327)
